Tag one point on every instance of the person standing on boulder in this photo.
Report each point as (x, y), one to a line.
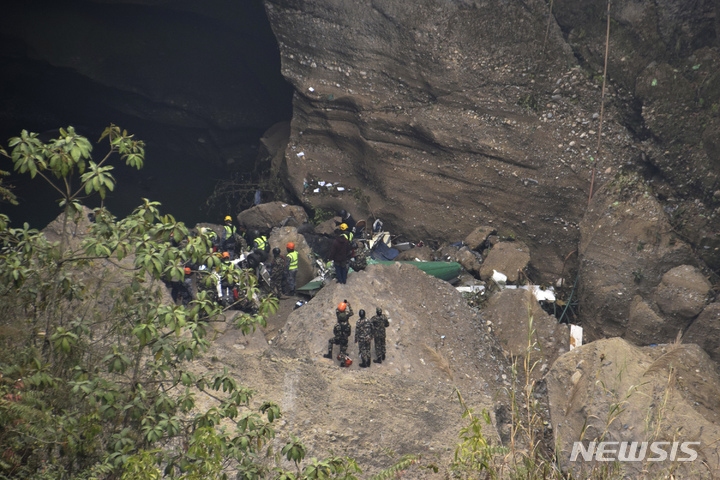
(277, 272)
(291, 268)
(379, 322)
(363, 337)
(341, 331)
(347, 219)
(339, 253)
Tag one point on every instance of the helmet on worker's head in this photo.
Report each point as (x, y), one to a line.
(203, 230)
(343, 213)
(228, 218)
(343, 226)
(378, 310)
(361, 313)
(226, 255)
(188, 270)
(342, 306)
(290, 246)
(276, 251)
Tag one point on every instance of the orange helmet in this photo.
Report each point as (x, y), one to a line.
(342, 306)
(226, 255)
(188, 271)
(290, 246)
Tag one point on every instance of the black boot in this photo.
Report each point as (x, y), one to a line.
(378, 360)
(383, 357)
(364, 365)
(328, 355)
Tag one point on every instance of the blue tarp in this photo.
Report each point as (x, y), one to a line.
(383, 252)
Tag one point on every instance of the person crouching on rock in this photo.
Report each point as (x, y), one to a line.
(341, 331)
(363, 337)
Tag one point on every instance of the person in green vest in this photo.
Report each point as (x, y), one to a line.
(261, 246)
(291, 268)
(229, 237)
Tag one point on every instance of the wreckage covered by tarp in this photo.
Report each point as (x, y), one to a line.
(382, 252)
(448, 271)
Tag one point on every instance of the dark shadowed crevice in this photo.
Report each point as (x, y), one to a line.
(200, 84)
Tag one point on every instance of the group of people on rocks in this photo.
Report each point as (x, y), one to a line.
(367, 331)
(230, 246)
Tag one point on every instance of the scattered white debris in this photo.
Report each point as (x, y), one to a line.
(575, 336)
(321, 183)
(471, 289)
(311, 89)
(340, 189)
(499, 277)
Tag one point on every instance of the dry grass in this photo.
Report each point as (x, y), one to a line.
(439, 360)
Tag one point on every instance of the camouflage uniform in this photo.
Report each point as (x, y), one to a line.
(363, 337)
(380, 323)
(359, 261)
(276, 274)
(341, 331)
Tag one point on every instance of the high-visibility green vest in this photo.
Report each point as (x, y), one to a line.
(230, 231)
(348, 235)
(261, 243)
(293, 257)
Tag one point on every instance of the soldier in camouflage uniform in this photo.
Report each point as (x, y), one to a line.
(379, 322)
(363, 337)
(341, 331)
(359, 260)
(277, 268)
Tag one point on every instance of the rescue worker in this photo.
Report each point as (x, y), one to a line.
(347, 219)
(227, 283)
(261, 247)
(359, 260)
(379, 322)
(291, 268)
(186, 290)
(340, 254)
(277, 272)
(229, 237)
(341, 331)
(212, 237)
(363, 337)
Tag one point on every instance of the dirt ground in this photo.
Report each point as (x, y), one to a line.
(436, 346)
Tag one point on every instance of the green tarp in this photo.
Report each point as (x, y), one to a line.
(443, 270)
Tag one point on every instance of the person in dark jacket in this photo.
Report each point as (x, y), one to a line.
(339, 253)
(347, 219)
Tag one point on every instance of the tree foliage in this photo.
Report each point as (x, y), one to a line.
(96, 377)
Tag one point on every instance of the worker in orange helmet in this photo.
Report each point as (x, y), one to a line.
(341, 332)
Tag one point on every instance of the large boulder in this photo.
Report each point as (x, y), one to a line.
(509, 258)
(683, 292)
(265, 216)
(525, 330)
(626, 246)
(612, 391)
(705, 331)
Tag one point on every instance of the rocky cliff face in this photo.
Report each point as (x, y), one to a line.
(454, 113)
